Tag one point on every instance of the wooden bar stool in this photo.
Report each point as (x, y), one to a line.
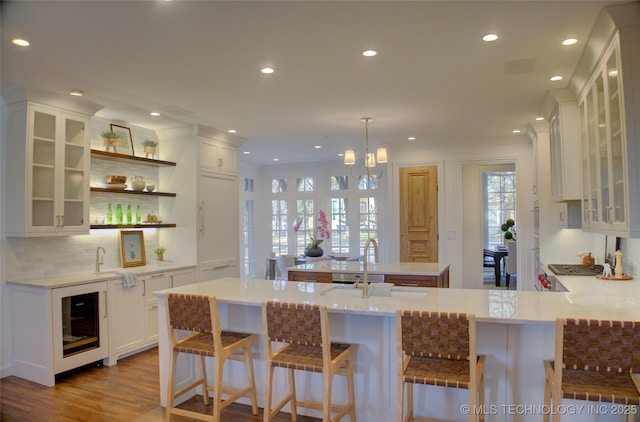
(595, 361)
(199, 314)
(436, 349)
(305, 331)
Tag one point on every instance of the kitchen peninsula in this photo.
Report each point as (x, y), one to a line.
(515, 330)
(416, 274)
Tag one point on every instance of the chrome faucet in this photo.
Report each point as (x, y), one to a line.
(99, 259)
(365, 281)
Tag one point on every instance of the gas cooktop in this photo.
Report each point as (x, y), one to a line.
(576, 269)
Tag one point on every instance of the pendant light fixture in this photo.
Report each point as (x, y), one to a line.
(371, 160)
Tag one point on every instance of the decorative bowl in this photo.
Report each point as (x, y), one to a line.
(151, 188)
(113, 179)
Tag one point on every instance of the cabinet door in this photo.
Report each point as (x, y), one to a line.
(58, 163)
(215, 270)
(218, 157)
(126, 307)
(218, 227)
(182, 278)
(152, 283)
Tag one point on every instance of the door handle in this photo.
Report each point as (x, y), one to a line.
(202, 216)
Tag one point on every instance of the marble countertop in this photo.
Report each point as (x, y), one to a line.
(406, 268)
(592, 298)
(72, 279)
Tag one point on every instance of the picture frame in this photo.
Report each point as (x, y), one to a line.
(132, 253)
(125, 142)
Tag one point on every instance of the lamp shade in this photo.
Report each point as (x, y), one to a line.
(382, 155)
(349, 157)
(370, 160)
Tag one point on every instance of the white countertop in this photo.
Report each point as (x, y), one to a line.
(407, 268)
(588, 298)
(73, 279)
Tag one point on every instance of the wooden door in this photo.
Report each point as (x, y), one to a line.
(418, 214)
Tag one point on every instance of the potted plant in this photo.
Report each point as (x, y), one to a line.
(149, 148)
(110, 139)
(509, 229)
(159, 251)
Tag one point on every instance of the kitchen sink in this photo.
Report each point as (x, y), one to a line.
(376, 290)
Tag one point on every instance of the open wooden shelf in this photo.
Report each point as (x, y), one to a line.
(131, 192)
(96, 153)
(130, 226)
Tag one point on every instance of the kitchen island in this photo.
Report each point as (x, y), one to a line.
(515, 330)
(416, 274)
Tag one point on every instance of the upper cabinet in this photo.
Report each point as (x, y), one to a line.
(564, 137)
(609, 108)
(49, 166)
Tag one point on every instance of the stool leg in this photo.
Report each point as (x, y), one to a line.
(409, 416)
(292, 387)
(171, 381)
(400, 399)
(326, 401)
(217, 389)
(547, 400)
(351, 390)
(248, 354)
(205, 390)
(267, 393)
(481, 394)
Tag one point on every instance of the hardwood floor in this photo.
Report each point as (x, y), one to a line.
(128, 391)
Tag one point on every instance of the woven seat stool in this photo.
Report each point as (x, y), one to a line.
(199, 315)
(594, 360)
(436, 348)
(304, 330)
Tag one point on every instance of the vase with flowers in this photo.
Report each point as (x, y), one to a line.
(317, 234)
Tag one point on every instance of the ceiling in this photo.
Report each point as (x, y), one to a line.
(199, 62)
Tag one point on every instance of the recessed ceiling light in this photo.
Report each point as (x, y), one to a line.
(276, 159)
(569, 41)
(231, 131)
(489, 37)
(246, 152)
(556, 78)
(411, 138)
(21, 43)
(317, 146)
(341, 154)
(515, 131)
(76, 92)
(369, 53)
(267, 70)
(539, 118)
(154, 113)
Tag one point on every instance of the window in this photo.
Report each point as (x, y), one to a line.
(368, 213)
(279, 227)
(304, 213)
(248, 238)
(367, 183)
(500, 204)
(339, 182)
(339, 226)
(278, 185)
(248, 184)
(305, 184)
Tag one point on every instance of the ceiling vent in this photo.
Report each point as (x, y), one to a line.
(519, 67)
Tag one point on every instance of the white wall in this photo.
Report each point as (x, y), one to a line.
(5, 315)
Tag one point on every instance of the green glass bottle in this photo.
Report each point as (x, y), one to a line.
(109, 215)
(119, 214)
(129, 221)
(138, 215)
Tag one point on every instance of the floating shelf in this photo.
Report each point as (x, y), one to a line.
(95, 153)
(130, 226)
(131, 192)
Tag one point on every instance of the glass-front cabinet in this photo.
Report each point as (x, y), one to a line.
(605, 155)
(50, 159)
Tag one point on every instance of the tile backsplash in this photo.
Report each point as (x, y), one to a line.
(27, 258)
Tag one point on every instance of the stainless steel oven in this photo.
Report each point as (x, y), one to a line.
(80, 334)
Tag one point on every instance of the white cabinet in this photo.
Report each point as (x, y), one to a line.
(610, 151)
(49, 166)
(564, 137)
(127, 329)
(218, 157)
(152, 283)
(182, 278)
(218, 226)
